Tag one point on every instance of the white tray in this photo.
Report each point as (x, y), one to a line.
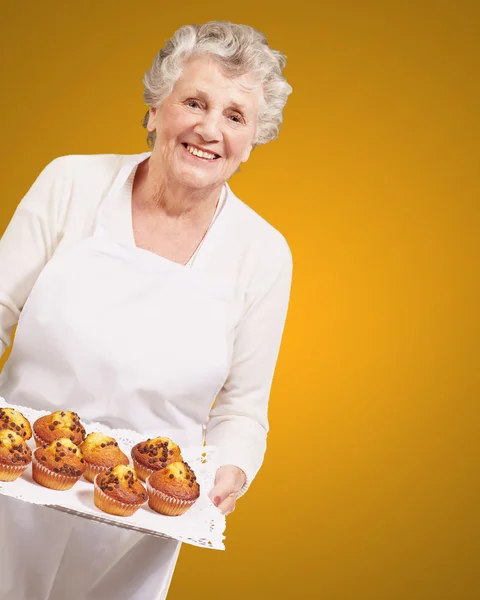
(202, 525)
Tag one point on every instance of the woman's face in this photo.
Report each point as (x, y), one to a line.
(206, 127)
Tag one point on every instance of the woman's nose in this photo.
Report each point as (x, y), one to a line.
(208, 127)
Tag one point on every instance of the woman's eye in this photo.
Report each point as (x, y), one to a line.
(236, 118)
(193, 103)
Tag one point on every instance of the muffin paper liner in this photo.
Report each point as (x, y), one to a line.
(165, 504)
(92, 471)
(12, 472)
(112, 505)
(48, 478)
(39, 442)
(142, 471)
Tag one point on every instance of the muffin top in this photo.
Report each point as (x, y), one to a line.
(60, 424)
(14, 420)
(156, 453)
(62, 456)
(13, 449)
(178, 480)
(102, 451)
(121, 483)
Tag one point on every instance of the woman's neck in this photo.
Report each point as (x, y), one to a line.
(152, 190)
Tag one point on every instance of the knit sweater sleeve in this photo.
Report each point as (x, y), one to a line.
(238, 422)
(27, 245)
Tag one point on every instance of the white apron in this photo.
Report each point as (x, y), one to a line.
(128, 338)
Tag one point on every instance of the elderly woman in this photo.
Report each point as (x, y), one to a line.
(148, 296)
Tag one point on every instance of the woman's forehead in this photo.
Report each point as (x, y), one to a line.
(203, 76)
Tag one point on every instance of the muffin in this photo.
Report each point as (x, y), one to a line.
(153, 455)
(58, 466)
(101, 453)
(173, 490)
(15, 455)
(118, 491)
(60, 424)
(14, 420)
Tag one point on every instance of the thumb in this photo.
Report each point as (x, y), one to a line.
(229, 480)
(222, 488)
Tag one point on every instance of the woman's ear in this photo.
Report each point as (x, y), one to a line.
(246, 153)
(151, 119)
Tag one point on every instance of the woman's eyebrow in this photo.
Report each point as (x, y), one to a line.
(198, 93)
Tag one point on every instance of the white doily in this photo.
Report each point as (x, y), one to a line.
(202, 525)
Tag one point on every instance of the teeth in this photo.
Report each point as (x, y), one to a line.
(200, 153)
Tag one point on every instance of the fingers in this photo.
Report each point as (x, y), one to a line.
(222, 488)
(227, 506)
(228, 482)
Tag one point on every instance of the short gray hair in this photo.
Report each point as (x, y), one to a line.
(239, 49)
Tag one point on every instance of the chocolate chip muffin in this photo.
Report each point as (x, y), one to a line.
(14, 420)
(119, 492)
(60, 424)
(173, 490)
(101, 453)
(59, 465)
(15, 455)
(153, 455)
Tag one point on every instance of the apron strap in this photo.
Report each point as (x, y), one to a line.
(101, 226)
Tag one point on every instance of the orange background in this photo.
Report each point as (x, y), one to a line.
(370, 485)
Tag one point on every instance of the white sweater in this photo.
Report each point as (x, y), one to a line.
(60, 209)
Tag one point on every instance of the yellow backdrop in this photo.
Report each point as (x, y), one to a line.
(369, 486)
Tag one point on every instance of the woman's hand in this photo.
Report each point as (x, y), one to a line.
(229, 480)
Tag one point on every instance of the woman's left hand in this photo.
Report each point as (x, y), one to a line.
(229, 480)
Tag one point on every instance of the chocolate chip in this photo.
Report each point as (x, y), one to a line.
(171, 475)
(51, 427)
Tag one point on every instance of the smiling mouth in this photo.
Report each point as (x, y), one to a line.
(200, 153)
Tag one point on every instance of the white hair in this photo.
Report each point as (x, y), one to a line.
(239, 49)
